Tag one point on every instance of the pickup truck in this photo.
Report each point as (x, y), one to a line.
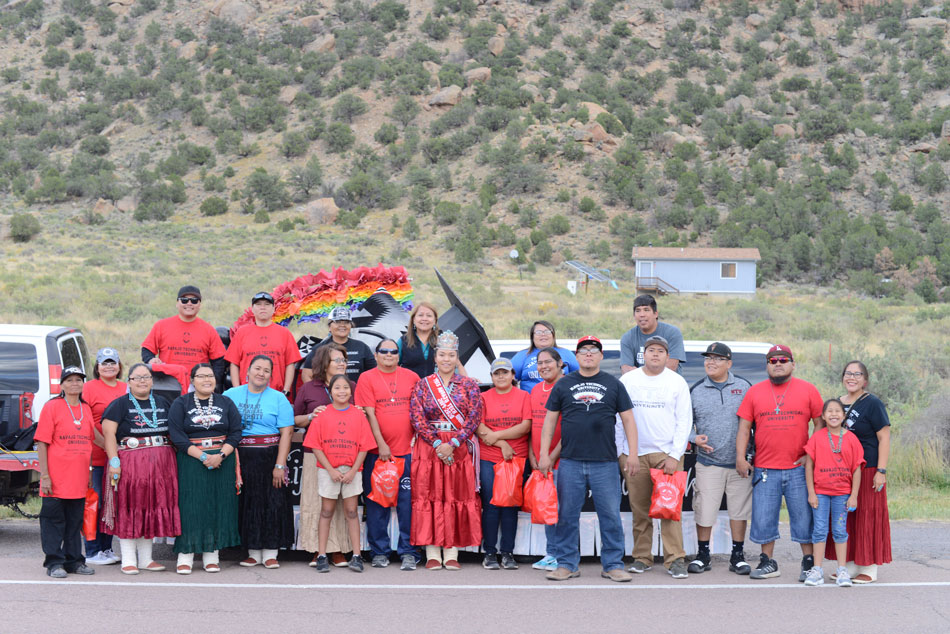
(32, 359)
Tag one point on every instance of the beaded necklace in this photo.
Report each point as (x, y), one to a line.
(76, 421)
(138, 410)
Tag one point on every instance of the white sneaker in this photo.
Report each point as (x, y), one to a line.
(100, 559)
(114, 559)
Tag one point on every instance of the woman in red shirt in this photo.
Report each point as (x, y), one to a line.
(64, 445)
(502, 435)
(98, 393)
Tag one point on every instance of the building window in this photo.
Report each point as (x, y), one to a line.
(727, 270)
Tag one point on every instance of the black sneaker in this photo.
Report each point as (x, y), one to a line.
(380, 561)
(356, 563)
(490, 562)
(700, 564)
(738, 564)
(767, 568)
(808, 562)
(508, 561)
(322, 563)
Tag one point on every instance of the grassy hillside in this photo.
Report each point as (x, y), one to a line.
(575, 128)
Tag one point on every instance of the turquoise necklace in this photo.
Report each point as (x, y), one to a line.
(138, 409)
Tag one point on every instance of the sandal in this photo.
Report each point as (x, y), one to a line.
(250, 561)
(271, 563)
(154, 566)
(212, 568)
(183, 569)
(433, 564)
(862, 578)
(130, 570)
(452, 564)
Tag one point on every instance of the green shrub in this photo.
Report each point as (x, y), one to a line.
(24, 227)
(447, 213)
(347, 107)
(294, 144)
(55, 58)
(213, 206)
(97, 145)
(386, 134)
(339, 137)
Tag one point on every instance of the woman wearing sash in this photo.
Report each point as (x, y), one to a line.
(265, 513)
(445, 409)
(141, 495)
(206, 430)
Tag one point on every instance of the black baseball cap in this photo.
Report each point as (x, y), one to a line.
(262, 296)
(718, 349)
(188, 289)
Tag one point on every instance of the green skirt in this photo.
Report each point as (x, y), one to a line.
(208, 504)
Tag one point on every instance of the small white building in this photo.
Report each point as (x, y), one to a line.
(664, 270)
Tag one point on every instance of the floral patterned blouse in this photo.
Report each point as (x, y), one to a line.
(423, 409)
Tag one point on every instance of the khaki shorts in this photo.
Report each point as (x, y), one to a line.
(328, 488)
(711, 483)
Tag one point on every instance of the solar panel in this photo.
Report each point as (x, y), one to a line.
(589, 271)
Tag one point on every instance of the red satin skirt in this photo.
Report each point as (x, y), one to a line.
(869, 527)
(146, 500)
(446, 508)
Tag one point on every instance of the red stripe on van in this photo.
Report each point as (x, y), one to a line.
(55, 371)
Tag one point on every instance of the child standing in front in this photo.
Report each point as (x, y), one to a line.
(339, 436)
(833, 462)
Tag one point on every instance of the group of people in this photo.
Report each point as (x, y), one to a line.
(210, 469)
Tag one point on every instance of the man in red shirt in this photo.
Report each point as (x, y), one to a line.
(383, 393)
(780, 408)
(185, 339)
(264, 337)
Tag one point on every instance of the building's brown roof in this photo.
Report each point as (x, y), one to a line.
(690, 253)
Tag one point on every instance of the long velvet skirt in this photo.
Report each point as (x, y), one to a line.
(146, 499)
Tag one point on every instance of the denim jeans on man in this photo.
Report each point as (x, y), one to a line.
(575, 477)
(103, 541)
(768, 487)
(494, 517)
(837, 507)
(377, 517)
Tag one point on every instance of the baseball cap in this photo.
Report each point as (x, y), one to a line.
(188, 289)
(718, 349)
(501, 363)
(69, 371)
(589, 340)
(263, 295)
(340, 313)
(657, 340)
(107, 354)
(779, 351)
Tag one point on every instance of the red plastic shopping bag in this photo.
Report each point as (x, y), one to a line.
(509, 476)
(90, 512)
(385, 478)
(544, 500)
(528, 502)
(666, 503)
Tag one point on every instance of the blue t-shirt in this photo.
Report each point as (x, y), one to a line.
(526, 366)
(264, 413)
(631, 344)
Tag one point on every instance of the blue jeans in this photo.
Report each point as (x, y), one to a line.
(377, 517)
(575, 477)
(102, 541)
(768, 487)
(494, 516)
(837, 507)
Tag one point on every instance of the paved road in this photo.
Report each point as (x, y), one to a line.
(913, 594)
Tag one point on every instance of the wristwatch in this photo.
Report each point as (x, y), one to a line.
(884, 471)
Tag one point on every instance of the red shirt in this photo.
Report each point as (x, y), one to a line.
(70, 447)
(834, 471)
(340, 435)
(502, 411)
(275, 341)
(99, 395)
(781, 414)
(184, 343)
(388, 394)
(539, 398)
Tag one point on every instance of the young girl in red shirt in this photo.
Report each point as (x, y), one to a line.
(833, 462)
(339, 436)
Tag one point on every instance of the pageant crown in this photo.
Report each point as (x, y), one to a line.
(447, 341)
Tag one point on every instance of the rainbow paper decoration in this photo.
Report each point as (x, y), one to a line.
(309, 298)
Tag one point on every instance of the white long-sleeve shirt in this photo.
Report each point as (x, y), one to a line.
(662, 410)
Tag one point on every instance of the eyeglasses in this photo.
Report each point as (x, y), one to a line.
(543, 331)
(587, 352)
(203, 376)
(548, 362)
(388, 351)
(108, 362)
(338, 360)
(853, 375)
(779, 360)
(189, 300)
(141, 379)
(711, 359)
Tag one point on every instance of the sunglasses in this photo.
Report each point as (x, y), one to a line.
(779, 360)
(388, 351)
(189, 300)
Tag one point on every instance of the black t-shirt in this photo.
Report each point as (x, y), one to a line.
(867, 417)
(185, 422)
(131, 423)
(359, 358)
(589, 408)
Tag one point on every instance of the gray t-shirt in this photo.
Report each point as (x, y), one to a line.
(631, 344)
